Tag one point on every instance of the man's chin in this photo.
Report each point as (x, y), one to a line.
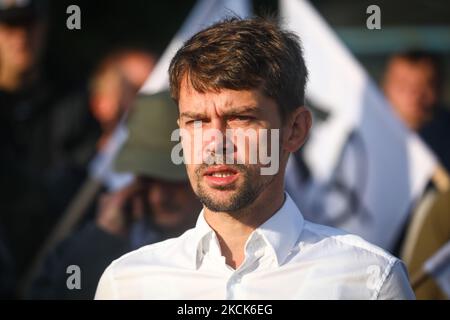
(215, 205)
(223, 200)
(220, 194)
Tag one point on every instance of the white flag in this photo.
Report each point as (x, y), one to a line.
(204, 14)
(365, 168)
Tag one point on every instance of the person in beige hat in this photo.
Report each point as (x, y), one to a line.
(157, 205)
(164, 185)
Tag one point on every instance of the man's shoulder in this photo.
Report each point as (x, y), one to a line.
(365, 263)
(160, 254)
(338, 241)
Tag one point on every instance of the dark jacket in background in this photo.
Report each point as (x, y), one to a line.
(46, 147)
(436, 134)
(91, 249)
(25, 124)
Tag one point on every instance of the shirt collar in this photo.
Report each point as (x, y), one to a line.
(280, 232)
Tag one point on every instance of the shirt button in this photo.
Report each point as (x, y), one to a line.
(259, 253)
(236, 279)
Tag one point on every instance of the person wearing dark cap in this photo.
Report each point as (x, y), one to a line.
(22, 31)
(159, 204)
(25, 103)
(147, 155)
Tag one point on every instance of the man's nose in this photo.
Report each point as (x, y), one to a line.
(216, 140)
(219, 124)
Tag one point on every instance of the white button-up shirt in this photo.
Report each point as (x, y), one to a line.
(285, 258)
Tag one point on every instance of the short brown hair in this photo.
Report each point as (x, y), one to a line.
(243, 54)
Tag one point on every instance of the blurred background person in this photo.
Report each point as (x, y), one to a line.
(47, 145)
(413, 83)
(157, 205)
(82, 125)
(114, 85)
(83, 122)
(25, 108)
(22, 35)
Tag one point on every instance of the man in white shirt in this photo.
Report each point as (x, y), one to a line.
(250, 241)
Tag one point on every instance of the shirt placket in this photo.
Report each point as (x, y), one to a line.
(235, 287)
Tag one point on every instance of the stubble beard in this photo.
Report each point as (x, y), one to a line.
(240, 200)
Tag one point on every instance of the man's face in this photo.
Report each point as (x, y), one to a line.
(411, 89)
(21, 44)
(108, 98)
(220, 185)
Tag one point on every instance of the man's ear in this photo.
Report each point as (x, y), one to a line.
(297, 128)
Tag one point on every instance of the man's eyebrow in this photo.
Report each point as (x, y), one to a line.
(192, 114)
(229, 111)
(240, 110)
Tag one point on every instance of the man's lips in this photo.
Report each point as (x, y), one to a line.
(220, 175)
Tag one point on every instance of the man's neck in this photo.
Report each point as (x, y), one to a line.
(233, 229)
